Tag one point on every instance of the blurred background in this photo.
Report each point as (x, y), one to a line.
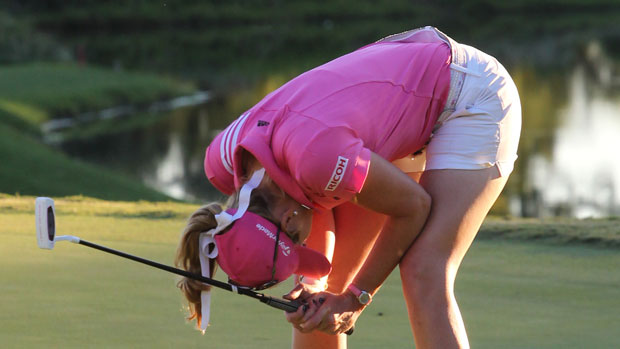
(119, 99)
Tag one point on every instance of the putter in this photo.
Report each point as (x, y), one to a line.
(46, 237)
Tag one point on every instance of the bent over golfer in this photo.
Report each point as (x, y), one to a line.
(391, 155)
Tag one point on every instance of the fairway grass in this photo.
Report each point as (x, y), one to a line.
(513, 294)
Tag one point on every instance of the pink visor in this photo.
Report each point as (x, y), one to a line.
(247, 250)
(246, 254)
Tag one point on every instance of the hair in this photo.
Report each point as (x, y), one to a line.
(203, 220)
(188, 257)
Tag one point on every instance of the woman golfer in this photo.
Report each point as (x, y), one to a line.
(389, 156)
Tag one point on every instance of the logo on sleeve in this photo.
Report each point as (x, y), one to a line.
(336, 177)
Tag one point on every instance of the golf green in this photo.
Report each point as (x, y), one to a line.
(512, 294)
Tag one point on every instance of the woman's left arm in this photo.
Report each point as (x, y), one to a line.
(389, 191)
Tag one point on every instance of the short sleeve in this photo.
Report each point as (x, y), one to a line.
(220, 176)
(329, 165)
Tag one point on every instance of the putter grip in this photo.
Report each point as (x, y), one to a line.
(292, 306)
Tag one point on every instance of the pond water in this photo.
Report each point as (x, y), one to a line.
(581, 175)
(568, 163)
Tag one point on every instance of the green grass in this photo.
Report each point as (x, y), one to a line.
(527, 295)
(31, 94)
(37, 92)
(513, 294)
(29, 167)
(600, 232)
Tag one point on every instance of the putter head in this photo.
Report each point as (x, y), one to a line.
(44, 218)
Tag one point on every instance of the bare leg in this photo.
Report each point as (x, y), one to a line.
(356, 230)
(461, 200)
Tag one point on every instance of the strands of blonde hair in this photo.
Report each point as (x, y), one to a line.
(188, 258)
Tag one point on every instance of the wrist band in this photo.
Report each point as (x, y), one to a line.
(362, 296)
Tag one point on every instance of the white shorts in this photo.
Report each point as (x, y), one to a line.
(481, 125)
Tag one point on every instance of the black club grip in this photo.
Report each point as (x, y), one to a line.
(290, 307)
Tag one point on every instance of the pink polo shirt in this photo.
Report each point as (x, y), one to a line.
(314, 135)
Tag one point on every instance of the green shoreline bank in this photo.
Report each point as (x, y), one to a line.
(32, 94)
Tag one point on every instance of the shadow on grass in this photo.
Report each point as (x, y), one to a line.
(600, 232)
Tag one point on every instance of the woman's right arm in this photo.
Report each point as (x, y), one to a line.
(389, 191)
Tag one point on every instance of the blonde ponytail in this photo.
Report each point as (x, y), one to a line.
(187, 257)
